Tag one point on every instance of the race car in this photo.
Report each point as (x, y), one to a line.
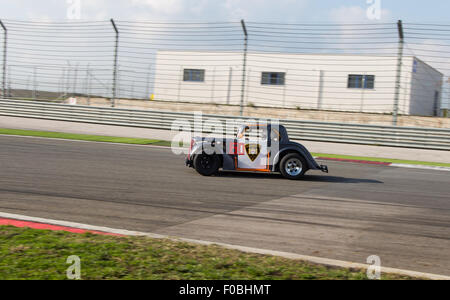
(256, 148)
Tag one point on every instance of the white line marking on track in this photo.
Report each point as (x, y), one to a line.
(312, 259)
(434, 168)
(408, 166)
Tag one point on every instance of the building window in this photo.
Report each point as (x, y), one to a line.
(194, 75)
(273, 78)
(361, 82)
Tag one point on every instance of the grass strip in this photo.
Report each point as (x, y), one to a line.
(139, 141)
(83, 137)
(42, 255)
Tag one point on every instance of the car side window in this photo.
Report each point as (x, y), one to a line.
(256, 133)
(253, 133)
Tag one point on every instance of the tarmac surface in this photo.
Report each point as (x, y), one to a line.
(358, 210)
(439, 156)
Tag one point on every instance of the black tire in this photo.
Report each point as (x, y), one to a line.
(290, 166)
(206, 165)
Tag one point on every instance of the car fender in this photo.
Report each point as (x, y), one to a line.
(206, 146)
(312, 164)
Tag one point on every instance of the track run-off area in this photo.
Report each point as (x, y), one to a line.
(401, 215)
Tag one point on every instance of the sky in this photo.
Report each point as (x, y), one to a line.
(229, 10)
(280, 11)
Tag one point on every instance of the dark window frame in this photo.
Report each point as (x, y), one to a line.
(273, 78)
(357, 81)
(194, 75)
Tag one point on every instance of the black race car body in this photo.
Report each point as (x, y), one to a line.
(256, 148)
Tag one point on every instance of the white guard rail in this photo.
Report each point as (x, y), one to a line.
(407, 137)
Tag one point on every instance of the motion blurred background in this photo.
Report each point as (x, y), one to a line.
(347, 58)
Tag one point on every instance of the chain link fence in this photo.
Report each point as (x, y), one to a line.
(383, 68)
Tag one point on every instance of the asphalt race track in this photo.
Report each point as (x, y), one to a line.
(358, 210)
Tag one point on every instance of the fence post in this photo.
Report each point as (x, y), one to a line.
(244, 69)
(399, 72)
(34, 83)
(230, 79)
(88, 85)
(9, 82)
(5, 44)
(114, 91)
(147, 87)
(89, 88)
(320, 100)
(75, 81)
(68, 81)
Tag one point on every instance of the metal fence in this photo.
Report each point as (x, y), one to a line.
(408, 137)
(297, 66)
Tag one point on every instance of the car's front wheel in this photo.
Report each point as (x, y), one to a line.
(293, 166)
(206, 165)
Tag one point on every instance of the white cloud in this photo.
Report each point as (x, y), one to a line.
(38, 16)
(167, 7)
(356, 14)
(162, 10)
(263, 9)
(198, 6)
(345, 16)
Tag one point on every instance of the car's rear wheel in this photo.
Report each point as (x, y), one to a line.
(293, 166)
(206, 165)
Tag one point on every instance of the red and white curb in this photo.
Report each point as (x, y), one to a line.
(48, 224)
(42, 226)
(388, 164)
(56, 225)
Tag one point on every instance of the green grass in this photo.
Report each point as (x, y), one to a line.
(42, 255)
(138, 141)
(83, 137)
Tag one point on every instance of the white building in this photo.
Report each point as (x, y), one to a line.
(363, 83)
